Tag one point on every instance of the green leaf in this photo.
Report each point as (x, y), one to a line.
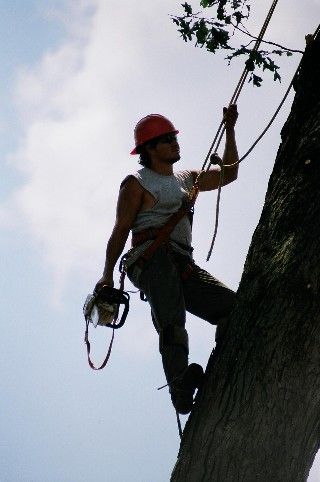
(276, 76)
(187, 8)
(256, 80)
(207, 3)
(217, 31)
(250, 64)
(201, 32)
(221, 13)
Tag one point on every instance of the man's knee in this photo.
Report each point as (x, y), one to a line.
(221, 329)
(173, 335)
(229, 301)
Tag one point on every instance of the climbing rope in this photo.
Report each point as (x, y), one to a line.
(221, 129)
(276, 112)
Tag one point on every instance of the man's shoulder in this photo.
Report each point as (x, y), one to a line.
(136, 174)
(183, 173)
(132, 179)
(185, 177)
(143, 176)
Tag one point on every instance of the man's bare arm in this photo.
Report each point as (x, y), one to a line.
(209, 180)
(128, 206)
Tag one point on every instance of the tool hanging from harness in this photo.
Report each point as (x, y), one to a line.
(102, 308)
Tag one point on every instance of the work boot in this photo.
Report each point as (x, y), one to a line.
(182, 390)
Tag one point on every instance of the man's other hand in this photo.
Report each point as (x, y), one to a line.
(230, 116)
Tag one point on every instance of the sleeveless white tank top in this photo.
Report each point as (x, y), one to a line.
(169, 193)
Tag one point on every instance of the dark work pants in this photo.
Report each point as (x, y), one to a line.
(170, 296)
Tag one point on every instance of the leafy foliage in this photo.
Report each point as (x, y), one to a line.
(215, 33)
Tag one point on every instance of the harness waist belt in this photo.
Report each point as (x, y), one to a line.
(149, 234)
(143, 236)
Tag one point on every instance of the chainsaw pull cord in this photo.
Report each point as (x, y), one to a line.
(87, 342)
(221, 129)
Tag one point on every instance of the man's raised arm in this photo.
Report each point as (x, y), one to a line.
(209, 180)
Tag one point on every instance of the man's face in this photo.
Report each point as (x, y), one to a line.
(167, 149)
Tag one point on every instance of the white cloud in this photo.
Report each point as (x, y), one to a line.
(78, 105)
(70, 154)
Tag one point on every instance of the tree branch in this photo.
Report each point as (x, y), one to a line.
(246, 32)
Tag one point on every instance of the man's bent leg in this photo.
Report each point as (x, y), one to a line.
(161, 283)
(206, 297)
(209, 299)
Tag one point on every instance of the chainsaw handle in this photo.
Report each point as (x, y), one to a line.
(124, 300)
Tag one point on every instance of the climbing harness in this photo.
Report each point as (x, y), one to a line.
(161, 235)
(102, 308)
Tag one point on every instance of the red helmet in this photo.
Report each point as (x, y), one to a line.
(151, 126)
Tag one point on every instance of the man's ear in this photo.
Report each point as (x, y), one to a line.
(149, 148)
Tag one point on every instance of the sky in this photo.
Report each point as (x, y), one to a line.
(75, 77)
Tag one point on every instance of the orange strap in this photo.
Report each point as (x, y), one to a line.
(145, 235)
(86, 339)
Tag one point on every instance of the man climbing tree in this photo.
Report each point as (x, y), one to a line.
(163, 267)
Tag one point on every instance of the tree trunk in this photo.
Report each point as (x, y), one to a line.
(257, 417)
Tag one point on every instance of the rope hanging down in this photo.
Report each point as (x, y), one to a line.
(221, 129)
(218, 137)
(251, 148)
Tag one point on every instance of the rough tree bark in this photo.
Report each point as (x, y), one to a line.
(257, 417)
